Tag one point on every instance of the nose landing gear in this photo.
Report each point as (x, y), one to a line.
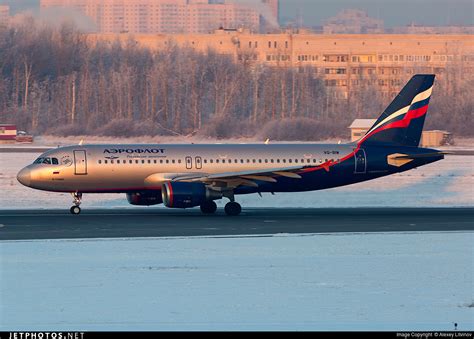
(77, 202)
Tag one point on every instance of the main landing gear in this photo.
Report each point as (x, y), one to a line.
(233, 209)
(77, 202)
(209, 207)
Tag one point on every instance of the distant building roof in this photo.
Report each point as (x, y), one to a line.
(363, 123)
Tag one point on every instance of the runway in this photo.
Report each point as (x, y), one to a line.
(158, 222)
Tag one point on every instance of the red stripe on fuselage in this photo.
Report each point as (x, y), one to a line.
(403, 123)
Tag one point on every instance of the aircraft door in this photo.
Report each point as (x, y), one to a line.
(80, 162)
(360, 162)
(189, 163)
(198, 162)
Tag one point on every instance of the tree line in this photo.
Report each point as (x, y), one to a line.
(52, 81)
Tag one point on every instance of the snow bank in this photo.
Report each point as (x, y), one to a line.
(411, 281)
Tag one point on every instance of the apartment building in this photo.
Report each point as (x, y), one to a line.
(165, 16)
(346, 62)
(353, 21)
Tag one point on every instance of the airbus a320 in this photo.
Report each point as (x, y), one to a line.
(187, 176)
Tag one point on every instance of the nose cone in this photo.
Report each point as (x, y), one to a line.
(24, 176)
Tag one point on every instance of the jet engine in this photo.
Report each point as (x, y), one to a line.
(144, 198)
(187, 194)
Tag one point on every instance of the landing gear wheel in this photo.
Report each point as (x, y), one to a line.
(75, 210)
(77, 196)
(233, 208)
(209, 207)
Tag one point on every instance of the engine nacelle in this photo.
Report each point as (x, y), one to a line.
(187, 194)
(144, 198)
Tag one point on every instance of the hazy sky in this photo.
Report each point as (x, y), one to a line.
(393, 12)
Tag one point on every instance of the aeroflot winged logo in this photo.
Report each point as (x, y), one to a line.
(134, 151)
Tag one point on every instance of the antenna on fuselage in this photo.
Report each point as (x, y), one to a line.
(267, 141)
(81, 142)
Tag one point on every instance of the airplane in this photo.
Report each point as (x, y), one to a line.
(187, 176)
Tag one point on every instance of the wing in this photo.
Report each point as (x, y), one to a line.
(244, 178)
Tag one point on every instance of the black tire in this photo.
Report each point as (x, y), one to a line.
(75, 210)
(209, 207)
(233, 209)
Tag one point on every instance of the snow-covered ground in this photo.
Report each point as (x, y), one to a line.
(449, 182)
(386, 281)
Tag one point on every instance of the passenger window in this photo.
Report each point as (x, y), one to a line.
(211, 161)
(130, 161)
(106, 162)
(100, 161)
(111, 161)
(173, 161)
(236, 161)
(284, 161)
(217, 161)
(167, 161)
(266, 161)
(241, 161)
(143, 161)
(278, 161)
(290, 161)
(136, 161)
(55, 161)
(161, 161)
(179, 161)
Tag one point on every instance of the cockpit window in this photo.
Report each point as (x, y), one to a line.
(47, 161)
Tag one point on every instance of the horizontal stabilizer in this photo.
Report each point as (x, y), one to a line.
(399, 159)
(420, 156)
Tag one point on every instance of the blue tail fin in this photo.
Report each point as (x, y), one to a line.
(402, 122)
